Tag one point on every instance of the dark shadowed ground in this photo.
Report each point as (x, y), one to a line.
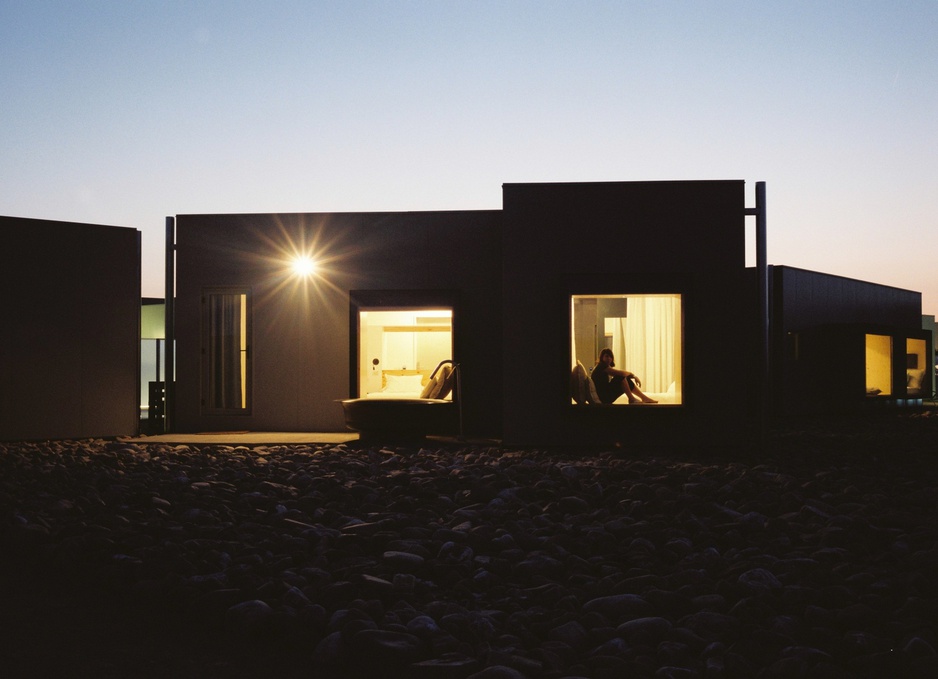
(816, 556)
(53, 625)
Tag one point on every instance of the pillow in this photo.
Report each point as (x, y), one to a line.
(397, 384)
(914, 378)
(434, 387)
(578, 380)
(582, 388)
(447, 376)
(431, 387)
(593, 394)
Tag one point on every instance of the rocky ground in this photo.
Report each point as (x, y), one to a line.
(812, 555)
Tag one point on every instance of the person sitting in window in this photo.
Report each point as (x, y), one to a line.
(611, 382)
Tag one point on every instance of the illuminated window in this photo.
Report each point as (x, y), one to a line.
(399, 348)
(916, 363)
(644, 332)
(226, 352)
(878, 365)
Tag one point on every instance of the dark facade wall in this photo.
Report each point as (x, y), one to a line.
(804, 299)
(302, 332)
(819, 322)
(613, 238)
(70, 335)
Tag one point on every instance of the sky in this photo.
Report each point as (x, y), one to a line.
(124, 113)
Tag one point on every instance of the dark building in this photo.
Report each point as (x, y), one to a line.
(409, 281)
(483, 323)
(69, 338)
(519, 298)
(842, 344)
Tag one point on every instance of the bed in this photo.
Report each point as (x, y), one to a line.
(401, 410)
(397, 384)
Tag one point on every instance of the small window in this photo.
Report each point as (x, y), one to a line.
(226, 371)
(398, 349)
(645, 334)
(878, 365)
(917, 382)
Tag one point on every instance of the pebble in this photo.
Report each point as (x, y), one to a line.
(456, 561)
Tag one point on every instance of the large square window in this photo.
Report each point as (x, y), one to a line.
(398, 349)
(645, 333)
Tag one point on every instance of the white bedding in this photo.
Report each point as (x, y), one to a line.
(399, 386)
(415, 386)
(385, 394)
(393, 394)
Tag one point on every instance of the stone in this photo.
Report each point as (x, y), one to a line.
(250, 617)
(644, 630)
(448, 666)
(384, 646)
(497, 672)
(712, 626)
(403, 562)
(454, 560)
(571, 633)
(618, 607)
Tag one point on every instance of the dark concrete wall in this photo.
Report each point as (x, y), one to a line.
(301, 344)
(70, 329)
(642, 237)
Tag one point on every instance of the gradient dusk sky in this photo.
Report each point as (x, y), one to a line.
(125, 112)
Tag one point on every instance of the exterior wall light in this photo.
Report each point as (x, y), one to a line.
(304, 266)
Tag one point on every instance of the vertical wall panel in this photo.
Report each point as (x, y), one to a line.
(70, 341)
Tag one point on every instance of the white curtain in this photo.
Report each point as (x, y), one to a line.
(648, 341)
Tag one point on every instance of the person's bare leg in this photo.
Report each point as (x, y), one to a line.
(637, 392)
(630, 391)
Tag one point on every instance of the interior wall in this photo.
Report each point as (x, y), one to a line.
(587, 331)
(916, 353)
(879, 368)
